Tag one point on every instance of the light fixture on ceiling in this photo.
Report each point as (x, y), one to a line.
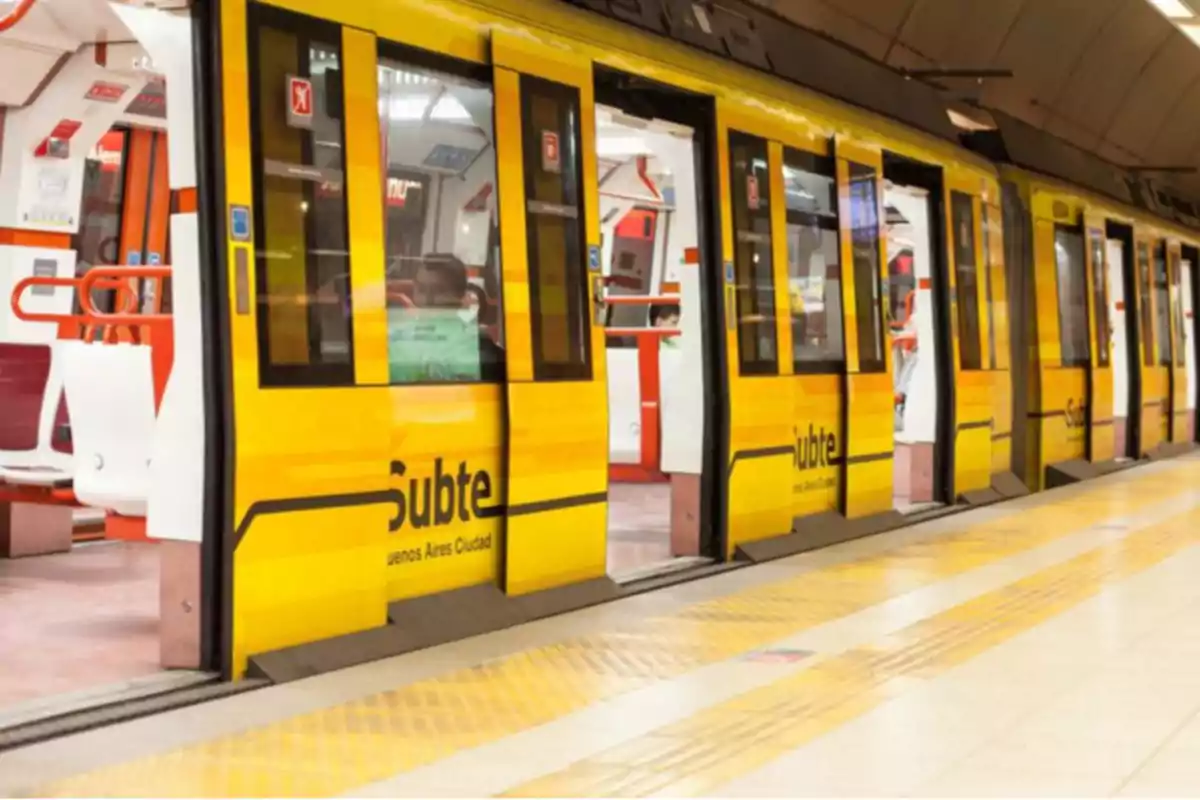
(1193, 32)
(1175, 9)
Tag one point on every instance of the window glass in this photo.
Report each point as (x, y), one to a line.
(443, 265)
(814, 264)
(1162, 308)
(962, 211)
(1147, 313)
(1177, 305)
(554, 231)
(1100, 296)
(751, 185)
(864, 240)
(303, 262)
(1072, 296)
(987, 283)
(98, 242)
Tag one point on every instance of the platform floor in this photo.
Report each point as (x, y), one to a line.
(1047, 646)
(77, 621)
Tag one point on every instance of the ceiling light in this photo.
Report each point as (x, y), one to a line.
(1175, 9)
(1193, 32)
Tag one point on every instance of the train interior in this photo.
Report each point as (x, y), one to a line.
(916, 265)
(1126, 375)
(96, 458)
(650, 254)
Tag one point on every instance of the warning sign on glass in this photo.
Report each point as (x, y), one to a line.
(551, 154)
(752, 199)
(299, 102)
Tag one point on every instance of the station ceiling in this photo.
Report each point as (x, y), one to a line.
(1115, 77)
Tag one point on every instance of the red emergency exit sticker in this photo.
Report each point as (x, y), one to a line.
(551, 156)
(300, 102)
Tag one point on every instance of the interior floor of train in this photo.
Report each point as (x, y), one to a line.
(1044, 646)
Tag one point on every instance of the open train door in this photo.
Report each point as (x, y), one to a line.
(553, 315)
(869, 398)
(1101, 445)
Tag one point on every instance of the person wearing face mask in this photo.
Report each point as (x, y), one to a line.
(441, 283)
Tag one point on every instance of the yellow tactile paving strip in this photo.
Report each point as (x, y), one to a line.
(701, 753)
(334, 750)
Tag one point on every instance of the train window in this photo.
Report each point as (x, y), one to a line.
(1072, 296)
(443, 266)
(1162, 309)
(751, 184)
(1147, 313)
(304, 317)
(864, 240)
(554, 231)
(987, 284)
(814, 265)
(1100, 296)
(966, 277)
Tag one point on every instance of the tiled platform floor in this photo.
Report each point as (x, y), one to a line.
(1045, 647)
(77, 620)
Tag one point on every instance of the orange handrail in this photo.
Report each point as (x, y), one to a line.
(110, 275)
(642, 299)
(16, 15)
(70, 283)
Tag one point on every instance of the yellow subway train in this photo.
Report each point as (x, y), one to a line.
(525, 306)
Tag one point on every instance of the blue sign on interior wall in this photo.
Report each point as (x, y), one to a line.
(133, 258)
(154, 260)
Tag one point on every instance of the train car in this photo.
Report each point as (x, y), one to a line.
(385, 452)
(1109, 371)
(492, 310)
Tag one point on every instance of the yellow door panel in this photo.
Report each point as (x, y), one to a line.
(1101, 445)
(759, 471)
(870, 396)
(549, 231)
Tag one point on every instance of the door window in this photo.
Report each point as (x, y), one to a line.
(814, 264)
(1100, 297)
(1071, 276)
(1162, 307)
(864, 249)
(751, 187)
(962, 212)
(304, 299)
(554, 231)
(439, 188)
(1146, 315)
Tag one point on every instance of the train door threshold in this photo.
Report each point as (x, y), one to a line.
(914, 509)
(50, 718)
(659, 569)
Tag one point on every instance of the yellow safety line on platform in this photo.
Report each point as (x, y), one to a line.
(334, 750)
(701, 753)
